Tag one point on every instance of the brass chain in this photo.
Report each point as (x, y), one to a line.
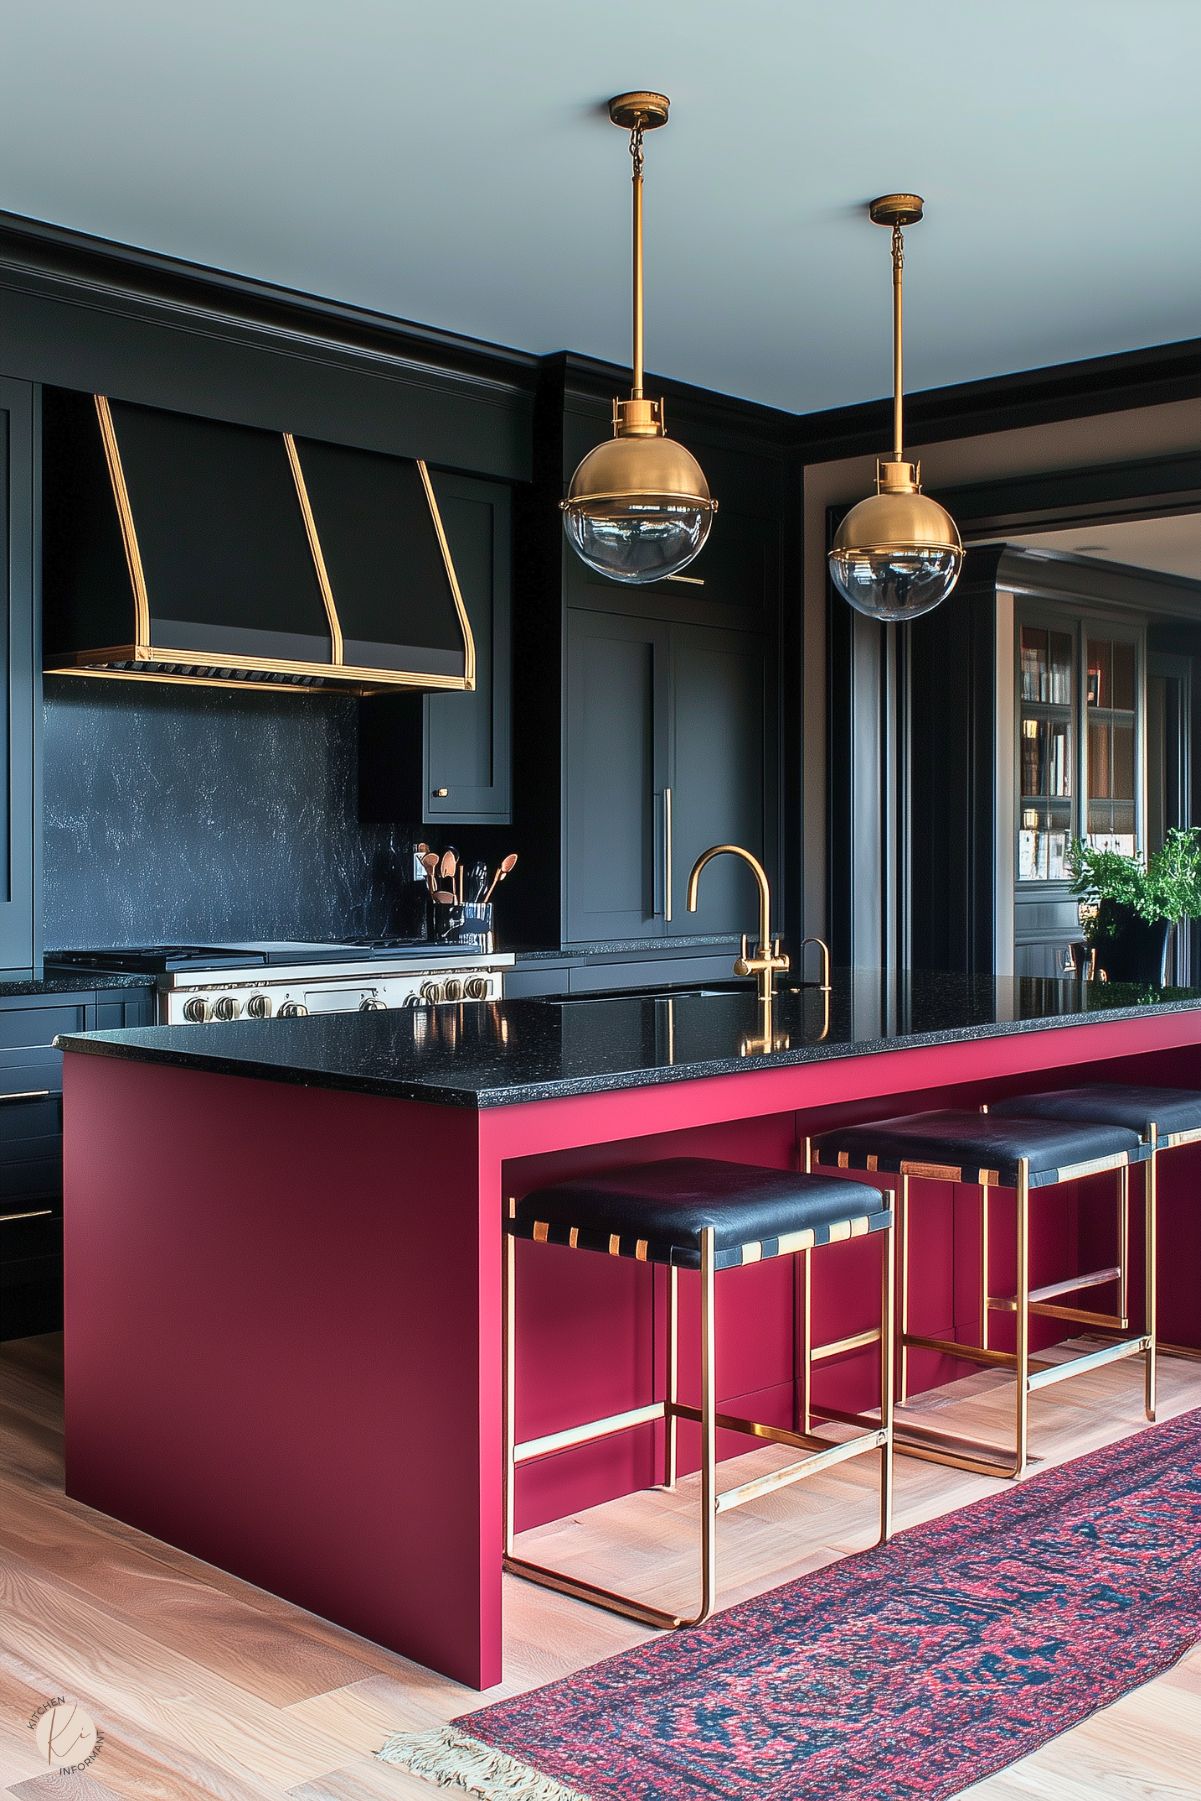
(636, 155)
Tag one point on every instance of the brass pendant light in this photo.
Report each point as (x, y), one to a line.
(638, 508)
(897, 554)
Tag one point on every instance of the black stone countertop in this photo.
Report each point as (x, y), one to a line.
(498, 1053)
(82, 981)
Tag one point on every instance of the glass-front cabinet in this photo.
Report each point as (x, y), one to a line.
(1046, 739)
(1079, 686)
(1112, 719)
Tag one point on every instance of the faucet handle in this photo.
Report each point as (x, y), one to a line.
(778, 957)
(744, 952)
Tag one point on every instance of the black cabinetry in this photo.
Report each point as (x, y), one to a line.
(31, 1177)
(445, 757)
(20, 682)
(670, 748)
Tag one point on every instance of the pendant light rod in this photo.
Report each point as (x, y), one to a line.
(637, 158)
(895, 211)
(638, 113)
(898, 354)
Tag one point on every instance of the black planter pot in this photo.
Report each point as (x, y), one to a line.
(1128, 948)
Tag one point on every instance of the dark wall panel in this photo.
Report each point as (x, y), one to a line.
(177, 815)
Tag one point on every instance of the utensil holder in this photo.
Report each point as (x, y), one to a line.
(468, 923)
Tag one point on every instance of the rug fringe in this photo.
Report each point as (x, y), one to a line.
(452, 1759)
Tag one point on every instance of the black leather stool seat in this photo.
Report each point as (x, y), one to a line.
(656, 1212)
(1174, 1112)
(980, 1147)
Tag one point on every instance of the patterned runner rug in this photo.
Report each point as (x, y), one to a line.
(904, 1674)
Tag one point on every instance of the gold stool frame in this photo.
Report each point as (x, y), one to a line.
(821, 1453)
(1030, 1373)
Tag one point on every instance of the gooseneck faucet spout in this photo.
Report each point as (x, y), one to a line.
(768, 958)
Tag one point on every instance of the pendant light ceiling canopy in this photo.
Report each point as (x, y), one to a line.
(897, 554)
(638, 507)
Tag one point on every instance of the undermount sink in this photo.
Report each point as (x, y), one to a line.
(668, 994)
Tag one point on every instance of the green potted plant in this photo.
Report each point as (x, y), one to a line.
(1130, 907)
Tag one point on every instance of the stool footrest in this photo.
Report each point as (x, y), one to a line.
(583, 1435)
(950, 1347)
(778, 1435)
(824, 1459)
(1081, 1316)
(1091, 1360)
(839, 1347)
(1096, 1278)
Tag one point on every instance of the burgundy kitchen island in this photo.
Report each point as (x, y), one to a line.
(283, 1257)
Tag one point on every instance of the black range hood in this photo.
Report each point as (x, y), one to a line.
(183, 549)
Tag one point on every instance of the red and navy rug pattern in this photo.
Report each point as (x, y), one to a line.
(904, 1674)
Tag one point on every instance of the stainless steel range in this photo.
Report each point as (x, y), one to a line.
(199, 983)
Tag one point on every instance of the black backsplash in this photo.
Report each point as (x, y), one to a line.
(197, 815)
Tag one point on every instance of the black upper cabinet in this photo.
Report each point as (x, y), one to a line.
(618, 767)
(670, 749)
(723, 714)
(20, 683)
(445, 757)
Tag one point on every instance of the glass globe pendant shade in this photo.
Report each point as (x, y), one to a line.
(898, 553)
(638, 507)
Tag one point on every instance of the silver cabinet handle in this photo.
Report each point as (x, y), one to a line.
(30, 1094)
(667, 853)
(6, 1219)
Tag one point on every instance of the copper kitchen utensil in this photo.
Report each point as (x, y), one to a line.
(445, 897)
(429, 863)
(506, 864)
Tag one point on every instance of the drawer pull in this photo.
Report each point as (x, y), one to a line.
(30, 1094)
(6, 1219)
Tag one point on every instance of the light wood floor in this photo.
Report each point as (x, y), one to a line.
(203, 1686)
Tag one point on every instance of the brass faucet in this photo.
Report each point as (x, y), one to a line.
(768, 959)
(824, 948)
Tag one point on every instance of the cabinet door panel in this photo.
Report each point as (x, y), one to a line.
(19, 684)
(616, 758)
(413, 746)
(720, 739)
(467, 735)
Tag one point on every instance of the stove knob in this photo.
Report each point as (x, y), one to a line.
(228, 1007)
(372, 1005)
(411, 1000)
(292, 1009)
(259, 1006)
(454, 988)
(196, 1010)
(431, 991)
(477, 988)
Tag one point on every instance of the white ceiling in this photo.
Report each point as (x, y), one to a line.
(450, 164)
(1170, 546)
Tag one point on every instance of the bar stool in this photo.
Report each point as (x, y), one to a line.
(700, 1214)
(986, 1151)
(1165, 1119)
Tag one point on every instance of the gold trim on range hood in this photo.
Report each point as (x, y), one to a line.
(160, 663)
